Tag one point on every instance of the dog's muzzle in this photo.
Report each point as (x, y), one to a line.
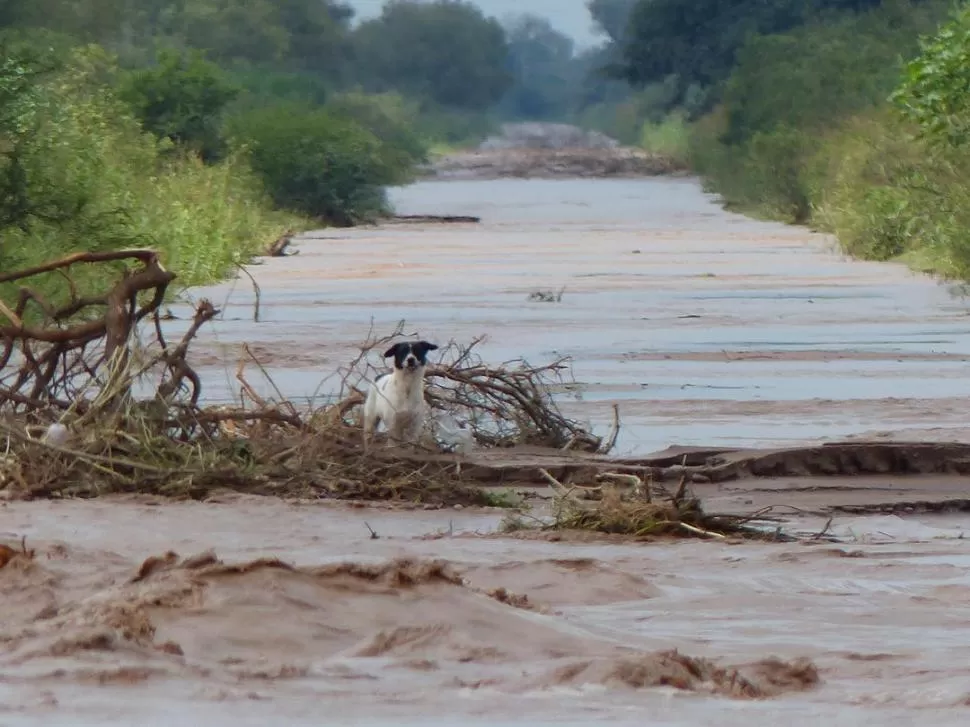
(411, 364)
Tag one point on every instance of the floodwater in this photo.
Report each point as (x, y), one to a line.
(705, 327)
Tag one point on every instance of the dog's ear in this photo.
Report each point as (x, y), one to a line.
(392, 351)
(424, 346)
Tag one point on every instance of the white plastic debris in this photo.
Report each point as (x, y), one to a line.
(454, 435)
(56, 434)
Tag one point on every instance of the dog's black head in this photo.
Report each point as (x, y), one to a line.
(410, 356)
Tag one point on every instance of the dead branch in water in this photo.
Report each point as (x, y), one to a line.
(635, 511)
(126, 404)
(41, 363)
(278, 248)
(502, 406)
(442, 219)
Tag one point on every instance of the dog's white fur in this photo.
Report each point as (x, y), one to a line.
(397, 400)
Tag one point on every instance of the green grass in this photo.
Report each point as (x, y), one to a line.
(208, 219)
(669, 138)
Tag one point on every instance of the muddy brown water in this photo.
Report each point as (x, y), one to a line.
(707, 328)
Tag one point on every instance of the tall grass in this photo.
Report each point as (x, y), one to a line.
(207, 219)
(667, 138)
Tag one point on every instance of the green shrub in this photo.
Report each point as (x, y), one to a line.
(771, 174)
(182, 99)
(317, 163)
(263, 86)
(933, 93)
(393, 120)
(667, 138)
(454, 128)
(891, 195)
(89, 178)
(776, 161)
(865, 201)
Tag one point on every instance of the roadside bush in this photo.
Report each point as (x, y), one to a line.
(771, 174)
(668, 138)
(867, 201)
(85, 176)
(891, 195)
(392, 119)
(181, 99)
(316, 162)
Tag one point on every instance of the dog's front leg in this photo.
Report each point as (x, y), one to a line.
(414, 430)
(396, 431)
(369, 425)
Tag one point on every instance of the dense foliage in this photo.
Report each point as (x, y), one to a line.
(183, 99)
(935, 93)
(78, 172)
(122, 122)
(313, 161)
(446, 52)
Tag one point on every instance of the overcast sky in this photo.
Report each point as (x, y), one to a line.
(568, 16)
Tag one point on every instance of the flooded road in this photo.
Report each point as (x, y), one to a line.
(705, 327)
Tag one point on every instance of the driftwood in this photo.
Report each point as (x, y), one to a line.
(502, 406)
(72, 369)
(51, 343)
(443, 219)
(278, 248)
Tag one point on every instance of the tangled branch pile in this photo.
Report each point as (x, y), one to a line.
(94, 399)
(626, 505)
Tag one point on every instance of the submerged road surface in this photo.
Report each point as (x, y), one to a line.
(706, 327)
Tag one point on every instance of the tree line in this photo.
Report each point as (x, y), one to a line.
(849, 115)
(445, 53)
(207, 127)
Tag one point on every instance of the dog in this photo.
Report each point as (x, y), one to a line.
(397, 398)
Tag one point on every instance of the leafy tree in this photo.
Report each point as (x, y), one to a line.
(317, 163)
(697, 40)
(546, 74)
(305, 35)
(611, 17)
(23, 71)
(445, 51)
(318, 34)
(234, 30)
(823, 71)
(392, 119)
(934, 92)
(181, 99)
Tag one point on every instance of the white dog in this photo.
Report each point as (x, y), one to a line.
(397, 398)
